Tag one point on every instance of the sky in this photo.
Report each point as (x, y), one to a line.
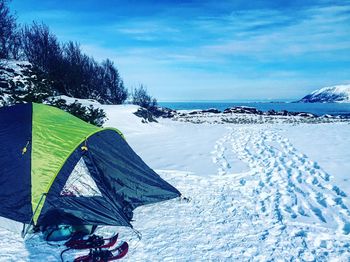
(235, 50)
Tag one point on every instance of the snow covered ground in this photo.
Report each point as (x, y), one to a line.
(257, 192)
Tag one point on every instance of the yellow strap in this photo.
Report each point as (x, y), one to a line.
(24, 150)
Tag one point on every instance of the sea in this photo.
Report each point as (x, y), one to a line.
(319, 109)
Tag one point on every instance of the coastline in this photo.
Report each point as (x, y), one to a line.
(314, 108)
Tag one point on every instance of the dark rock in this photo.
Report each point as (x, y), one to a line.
(271, 112)
(163, 112)
(284, 113)
(242, 110)
(211, 110)
(145, 114)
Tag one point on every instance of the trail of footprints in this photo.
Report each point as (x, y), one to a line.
(219, 156)
(290, 192)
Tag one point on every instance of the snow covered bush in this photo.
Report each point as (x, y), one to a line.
(21, 83)
(141, 97)
(95, 116)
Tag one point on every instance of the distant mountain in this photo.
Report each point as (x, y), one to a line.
(333, 94)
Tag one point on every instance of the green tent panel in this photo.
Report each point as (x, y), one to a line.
(55, 136)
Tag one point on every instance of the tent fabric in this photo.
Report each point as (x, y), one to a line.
(71, 172)
(126, 173)
(55, 135)
(74, 210)
(14, 166)
(124, 180)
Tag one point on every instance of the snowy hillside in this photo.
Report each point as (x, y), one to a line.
(339, 94)
(258, 192)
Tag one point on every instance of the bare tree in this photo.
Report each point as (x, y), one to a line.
(41, 47)
(66, 67)
(113, 84)
(9, 35)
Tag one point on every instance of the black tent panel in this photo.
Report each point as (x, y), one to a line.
(66, 208)
(125, 173)
(15, 162)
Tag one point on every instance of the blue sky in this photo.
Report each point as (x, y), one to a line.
(206, 49)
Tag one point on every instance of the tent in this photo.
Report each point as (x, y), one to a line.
(57, 169)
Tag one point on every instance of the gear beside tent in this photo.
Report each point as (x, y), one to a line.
(57, 169)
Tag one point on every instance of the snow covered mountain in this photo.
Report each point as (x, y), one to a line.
(333, 94)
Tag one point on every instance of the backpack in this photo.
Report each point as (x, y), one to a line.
(65, 232)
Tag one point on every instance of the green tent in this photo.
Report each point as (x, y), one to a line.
(58, 169)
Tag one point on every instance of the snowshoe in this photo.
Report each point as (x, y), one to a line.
(105, 255)
(92, 242)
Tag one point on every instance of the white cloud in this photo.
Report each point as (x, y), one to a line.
(249, 54)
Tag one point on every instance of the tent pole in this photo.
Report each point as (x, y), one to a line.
(25, 231)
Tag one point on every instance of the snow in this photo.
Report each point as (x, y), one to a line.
(256, 192)
(71, 100)
(123, 118)
(328, 145)
(338, 93)
(15, 76)
(334, 89)
(14, 64)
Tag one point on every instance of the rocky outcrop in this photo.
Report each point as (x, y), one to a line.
(163, 112)
(146, 115)
(242, 110)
